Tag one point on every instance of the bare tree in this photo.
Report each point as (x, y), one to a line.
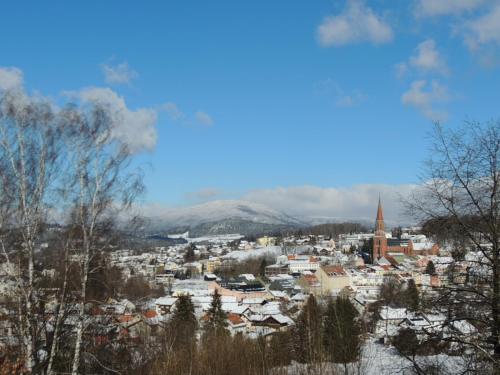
(100, 187)
(66, 162)
(29, 156)
(461, 187)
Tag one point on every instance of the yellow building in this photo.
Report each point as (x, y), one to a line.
(266, 241)
(332, 279)
(213, 264)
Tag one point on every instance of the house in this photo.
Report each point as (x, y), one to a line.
(164, 304)
(276, 269)
(277, 321)
(309, 283)
(213, 264)
(236, 323)
(194, 268)
(299, 263)
(332, 279)
(266, 241)
(210, 277)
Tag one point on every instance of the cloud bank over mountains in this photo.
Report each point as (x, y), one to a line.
(354, 202)
(308, 204)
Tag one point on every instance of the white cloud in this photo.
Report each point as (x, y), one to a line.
(355, 202)
(483, 30)
(10, 78)
(357, 23)
(135, 128)
(426, 59)
(424, 97)
(433, 8)
(203, 118)
(173, 111)
(118, 74)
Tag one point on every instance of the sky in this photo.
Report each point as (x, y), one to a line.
(306, 106)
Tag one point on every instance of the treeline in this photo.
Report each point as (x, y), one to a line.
(253, 265)
(323, 333)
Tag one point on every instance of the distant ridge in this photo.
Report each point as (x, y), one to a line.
(221, 217)
(234, 216)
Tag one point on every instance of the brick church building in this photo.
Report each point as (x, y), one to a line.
(409, 245)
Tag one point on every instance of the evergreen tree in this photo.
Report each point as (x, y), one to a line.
(329, 328)
(184, 324)
(430, 269)
(406, 342)
(307, 332)
(262, 267)
(391, 293)
(190, 256)
(341, 332)
(412, 296)
(216, 323)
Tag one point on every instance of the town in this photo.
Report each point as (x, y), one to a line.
(263, 286)
(250, 187)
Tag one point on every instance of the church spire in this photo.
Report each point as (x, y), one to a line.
(379, 239)
(380, 215)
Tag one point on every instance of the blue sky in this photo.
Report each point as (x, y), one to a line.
(247, 97)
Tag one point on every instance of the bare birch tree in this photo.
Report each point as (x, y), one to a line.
(29, 151)
(100, 186)
(461, 187)
(66, 161)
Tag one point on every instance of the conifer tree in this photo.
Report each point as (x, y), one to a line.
(412, 296)
(307, 332)
(184, 323)
(341, 331)
(430, 269)
(216, 323)
(406, 342)
(190, 255)
(262, 267)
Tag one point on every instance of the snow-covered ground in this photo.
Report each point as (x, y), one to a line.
(377, 359)
(217, 239)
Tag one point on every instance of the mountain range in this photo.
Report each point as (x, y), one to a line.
(229, 216)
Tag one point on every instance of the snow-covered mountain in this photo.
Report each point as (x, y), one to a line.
(218, 217)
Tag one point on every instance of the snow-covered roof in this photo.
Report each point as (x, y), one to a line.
(253, 301)
(390, 313)
(464, 327)
(423, 245)
(299, 297)
(166, 301)
(278, 294)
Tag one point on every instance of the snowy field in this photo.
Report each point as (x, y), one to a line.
(378, 359)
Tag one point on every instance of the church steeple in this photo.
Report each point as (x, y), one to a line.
(379, 239)
(379, 222)
(380, 215)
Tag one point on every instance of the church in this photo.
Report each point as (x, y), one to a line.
(410, 245)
